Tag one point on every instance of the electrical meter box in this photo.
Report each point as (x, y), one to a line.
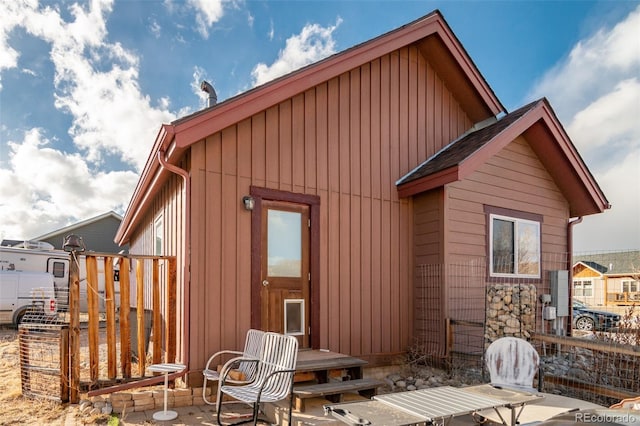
(559, 287)
(549, 313)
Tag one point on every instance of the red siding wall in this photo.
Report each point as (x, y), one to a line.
(169, 207)
(347, 140)
(513, 179)
(429, 294)
(451, 230)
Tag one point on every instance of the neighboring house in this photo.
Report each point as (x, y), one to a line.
(305, 204)
(607, 278)
(97, 233)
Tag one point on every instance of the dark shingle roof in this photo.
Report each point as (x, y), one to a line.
(459, 150)
(596, 266)
(621, 262)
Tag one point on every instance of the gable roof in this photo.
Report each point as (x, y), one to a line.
(593, 266)
(431, 33)
(436, 41)
(67, 229)
(538, 123)
(612, 263)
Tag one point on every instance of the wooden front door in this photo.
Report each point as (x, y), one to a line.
(285, 278)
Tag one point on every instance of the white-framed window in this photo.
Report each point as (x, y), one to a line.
(583, 288)
(630, 286)
(514, 247)
(158, 236)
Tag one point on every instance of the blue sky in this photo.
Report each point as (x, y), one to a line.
(84, 87)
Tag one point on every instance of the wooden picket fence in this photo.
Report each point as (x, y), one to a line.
(153, 291)
(91, 350)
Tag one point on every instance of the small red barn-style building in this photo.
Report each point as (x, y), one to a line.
(303, 205)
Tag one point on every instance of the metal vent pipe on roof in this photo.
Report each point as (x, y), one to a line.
(213, 97)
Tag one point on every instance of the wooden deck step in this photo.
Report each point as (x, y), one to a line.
(333, 390)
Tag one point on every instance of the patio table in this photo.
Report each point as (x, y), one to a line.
(429, 406)
(166, 368)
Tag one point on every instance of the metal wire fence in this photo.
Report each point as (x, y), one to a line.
(460, 309)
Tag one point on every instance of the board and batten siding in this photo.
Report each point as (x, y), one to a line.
(513, 179)
(429, 294)
(168, 206)
(347, 141)
(451, 233)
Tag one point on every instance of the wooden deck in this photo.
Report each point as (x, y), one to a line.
(329, 375)
(321, 360)
(623, 298)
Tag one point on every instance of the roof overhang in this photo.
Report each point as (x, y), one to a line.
(149, 183)
(547, 138)
(435, 40)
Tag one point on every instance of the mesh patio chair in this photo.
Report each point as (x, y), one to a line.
(513, 363)
(274, 376)
(243, 372)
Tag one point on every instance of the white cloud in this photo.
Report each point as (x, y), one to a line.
(594, 67)
(272, 31)
(93, 80)
(596, 93)
(44, 188)
(10, 19)
(250, 19)
(155, 28)
(608, 127)
(207, 13)
(312, 44)
(619, 227)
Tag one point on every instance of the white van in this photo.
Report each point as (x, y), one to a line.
(23, 292)
(41, 257)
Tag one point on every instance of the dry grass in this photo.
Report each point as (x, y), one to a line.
(18, 410)
(14, 408)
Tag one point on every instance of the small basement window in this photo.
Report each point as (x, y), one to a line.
(514, 247)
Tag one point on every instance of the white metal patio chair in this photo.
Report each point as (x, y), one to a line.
(274, 376)
(512, 363)
(244, 371)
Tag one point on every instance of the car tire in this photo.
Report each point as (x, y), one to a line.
(585, 323)
(19, 318)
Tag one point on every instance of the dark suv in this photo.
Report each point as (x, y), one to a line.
(588, 319)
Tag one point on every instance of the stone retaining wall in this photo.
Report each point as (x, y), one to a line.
(511, 311)
(141, 400)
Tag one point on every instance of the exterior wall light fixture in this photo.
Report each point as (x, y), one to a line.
(249, 202)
